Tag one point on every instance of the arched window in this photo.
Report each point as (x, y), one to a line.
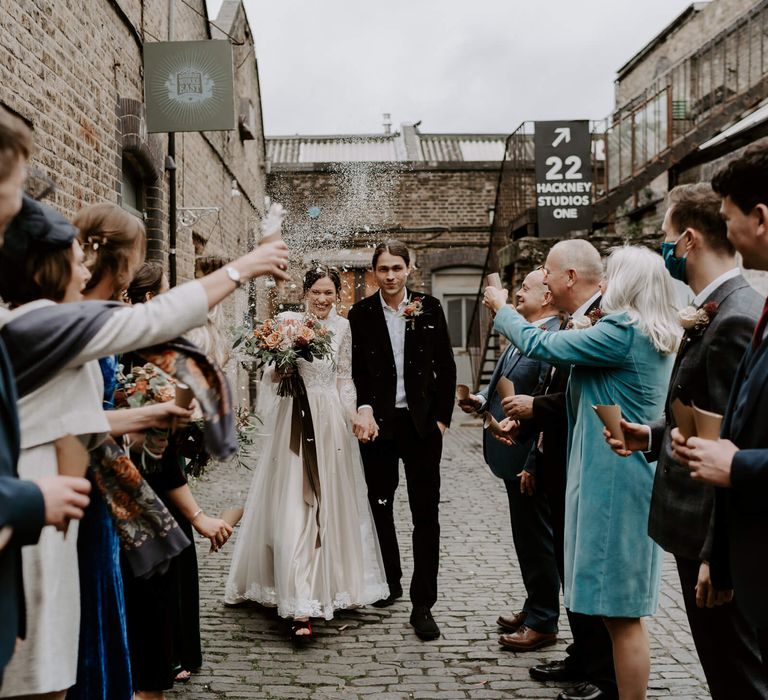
(133, 190)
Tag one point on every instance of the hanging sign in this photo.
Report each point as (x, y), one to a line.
(563, 177)
(189, 86)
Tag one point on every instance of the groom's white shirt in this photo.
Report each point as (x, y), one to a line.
(396, 328)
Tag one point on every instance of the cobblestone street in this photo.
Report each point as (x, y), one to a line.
(374, 653)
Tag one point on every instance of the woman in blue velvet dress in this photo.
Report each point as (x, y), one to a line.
(612, 567)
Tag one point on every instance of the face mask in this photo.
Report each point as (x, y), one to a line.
(675, 266)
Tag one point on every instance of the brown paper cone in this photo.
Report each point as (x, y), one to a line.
(232, 516)
(610, 415)
(683, 416)
(707, 423)
(184, 396)
(505, 387)
(462, 392)
(494, 280)
(71, 456)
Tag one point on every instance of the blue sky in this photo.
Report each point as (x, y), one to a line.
(334, 66)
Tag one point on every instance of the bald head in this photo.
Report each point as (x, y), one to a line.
(573, 271)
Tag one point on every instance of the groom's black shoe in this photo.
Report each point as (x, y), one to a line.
(394, 594)
(424, 624)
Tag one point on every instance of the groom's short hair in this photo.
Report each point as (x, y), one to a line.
(393, 247)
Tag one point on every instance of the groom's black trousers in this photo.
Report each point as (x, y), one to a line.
(421, 457)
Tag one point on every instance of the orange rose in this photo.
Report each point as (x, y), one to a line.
(272, 340)
(307, 334)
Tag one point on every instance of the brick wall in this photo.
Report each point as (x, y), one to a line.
(685, 39)
(440, 212)
(73, 70)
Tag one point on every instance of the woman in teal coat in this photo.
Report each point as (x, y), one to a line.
(612, 567)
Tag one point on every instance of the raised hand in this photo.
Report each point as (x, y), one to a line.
(494, 298)
(635, 438)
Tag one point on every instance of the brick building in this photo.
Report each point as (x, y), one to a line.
(435, 192)
(74, 72)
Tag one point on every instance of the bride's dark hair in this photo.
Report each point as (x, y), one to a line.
(317, 272)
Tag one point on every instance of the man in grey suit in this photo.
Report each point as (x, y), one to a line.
(698, 252)
(536, 625)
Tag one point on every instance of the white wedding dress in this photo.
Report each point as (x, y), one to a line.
(275, 560)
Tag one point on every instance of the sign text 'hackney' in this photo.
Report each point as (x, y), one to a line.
(563, 177)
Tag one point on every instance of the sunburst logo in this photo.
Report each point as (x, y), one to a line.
(189, 86)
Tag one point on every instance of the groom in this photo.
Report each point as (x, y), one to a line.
(405, 376)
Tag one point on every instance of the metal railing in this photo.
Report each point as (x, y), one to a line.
(684, 107)
(478, 332)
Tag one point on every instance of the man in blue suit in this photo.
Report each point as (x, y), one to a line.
(737, 463)
(536, 625)
(25, 507)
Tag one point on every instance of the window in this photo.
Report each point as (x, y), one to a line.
(132, 189)
(458, 315)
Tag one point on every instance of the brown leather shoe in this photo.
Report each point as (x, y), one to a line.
(526, 639)
(513, 622)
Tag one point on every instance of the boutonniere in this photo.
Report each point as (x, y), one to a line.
(580, 323)
(697, 320)
(413, 309)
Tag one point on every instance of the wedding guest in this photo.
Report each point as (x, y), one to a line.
(114, 244)
(573, 274)
(737, 463)
(64, 398)
(26, 507)
(535, 625)
(697, 252)
(612, 568)
(405, 376)
(153, 606)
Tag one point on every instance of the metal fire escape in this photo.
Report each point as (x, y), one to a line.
(686, 106)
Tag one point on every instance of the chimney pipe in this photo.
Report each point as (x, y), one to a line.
(387, 123)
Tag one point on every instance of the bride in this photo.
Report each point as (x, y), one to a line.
(276, 560)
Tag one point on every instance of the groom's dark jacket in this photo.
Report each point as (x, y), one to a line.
(430, 372)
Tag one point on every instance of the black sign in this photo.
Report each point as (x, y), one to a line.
(563, 177)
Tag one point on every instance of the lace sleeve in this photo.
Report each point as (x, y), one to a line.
(344, 383)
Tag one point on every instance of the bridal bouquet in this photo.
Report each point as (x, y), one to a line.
(282, 343)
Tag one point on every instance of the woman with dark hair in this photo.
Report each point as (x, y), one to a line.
(310, 560)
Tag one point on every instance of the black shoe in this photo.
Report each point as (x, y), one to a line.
(424, 624)
(394, 594)
(583, 691)
(555, 671)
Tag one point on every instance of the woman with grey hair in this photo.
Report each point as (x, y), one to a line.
(624, 357)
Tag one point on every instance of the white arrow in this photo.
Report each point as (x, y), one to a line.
(563, 134)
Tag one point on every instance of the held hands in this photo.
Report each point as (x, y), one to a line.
(706, 594)
(635, 435)
(364, 425)
(217, 531)
(709, 460)
(494, 298)
(471, 404)
(65, 498)
(518, 407)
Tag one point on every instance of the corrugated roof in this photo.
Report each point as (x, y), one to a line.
(439, 148)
